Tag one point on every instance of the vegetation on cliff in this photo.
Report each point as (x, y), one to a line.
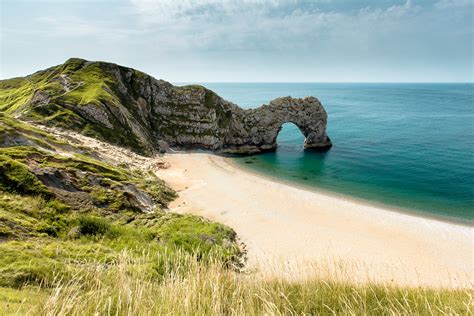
(98, 99)
(61, 209)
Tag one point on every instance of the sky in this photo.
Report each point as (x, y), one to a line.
(246, 40)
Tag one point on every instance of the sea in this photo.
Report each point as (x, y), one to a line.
(406, 146)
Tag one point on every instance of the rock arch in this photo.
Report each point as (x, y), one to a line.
(256, 130)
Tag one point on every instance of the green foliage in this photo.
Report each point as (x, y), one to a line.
(58, 206)
(15, 93)
(156, 188)
(55, 115)
(26, 136)
(16, 177)
(88, 84)
(35, 224)
(189, 232)
(99, 241)
(94, 84)
(73, 64)
(20, 301)
(21, 153)
(9, 124)
(103, 182)
(42, 260)
(84, 163)
(64, 89)
(31, 216)
(18, 92)
(63, 214)
(93, 226)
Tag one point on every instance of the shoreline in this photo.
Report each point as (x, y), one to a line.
(365, 202)
(295, 233)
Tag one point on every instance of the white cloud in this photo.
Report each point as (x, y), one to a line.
(445, 4)
(249, 35)
(166, 11)
(231, 25)
(259, 25)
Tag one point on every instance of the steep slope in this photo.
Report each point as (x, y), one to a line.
(87, 97)
(127, 107)
(63, 206)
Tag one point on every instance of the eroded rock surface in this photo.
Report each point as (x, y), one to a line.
(257, 129)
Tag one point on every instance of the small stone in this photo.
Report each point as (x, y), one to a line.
(162, 165)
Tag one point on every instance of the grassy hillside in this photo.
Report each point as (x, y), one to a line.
(62, 209)
(63, 95)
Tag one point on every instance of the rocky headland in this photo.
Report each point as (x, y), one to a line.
(130, 108)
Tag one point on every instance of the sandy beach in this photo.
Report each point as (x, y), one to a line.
(295, 233)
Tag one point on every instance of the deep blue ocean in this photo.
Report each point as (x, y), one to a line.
(406, 146)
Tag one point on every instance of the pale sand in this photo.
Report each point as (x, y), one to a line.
(294, 233)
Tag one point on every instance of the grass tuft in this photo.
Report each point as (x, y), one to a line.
(16, 177)
(93, 226)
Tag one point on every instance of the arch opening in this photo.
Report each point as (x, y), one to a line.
(290, 137)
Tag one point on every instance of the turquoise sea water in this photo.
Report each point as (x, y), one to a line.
(408, 146)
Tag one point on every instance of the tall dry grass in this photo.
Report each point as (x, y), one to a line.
(195, 287)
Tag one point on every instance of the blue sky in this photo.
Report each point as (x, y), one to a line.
(246, 40)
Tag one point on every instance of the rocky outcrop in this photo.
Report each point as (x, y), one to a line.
(133, 109)
(83, 173)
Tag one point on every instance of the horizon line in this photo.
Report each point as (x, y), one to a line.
(297, 82)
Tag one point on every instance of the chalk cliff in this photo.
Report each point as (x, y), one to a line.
(130, 108)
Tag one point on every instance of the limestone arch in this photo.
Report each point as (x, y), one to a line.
(307, 114)
(256, 130)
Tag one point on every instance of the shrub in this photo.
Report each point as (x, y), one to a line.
(50, 228)
(58, 206)
(93, 226)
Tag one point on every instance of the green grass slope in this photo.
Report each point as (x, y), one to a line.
(68, 95)
(61, 209)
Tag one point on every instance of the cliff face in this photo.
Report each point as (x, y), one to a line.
(127, 107)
